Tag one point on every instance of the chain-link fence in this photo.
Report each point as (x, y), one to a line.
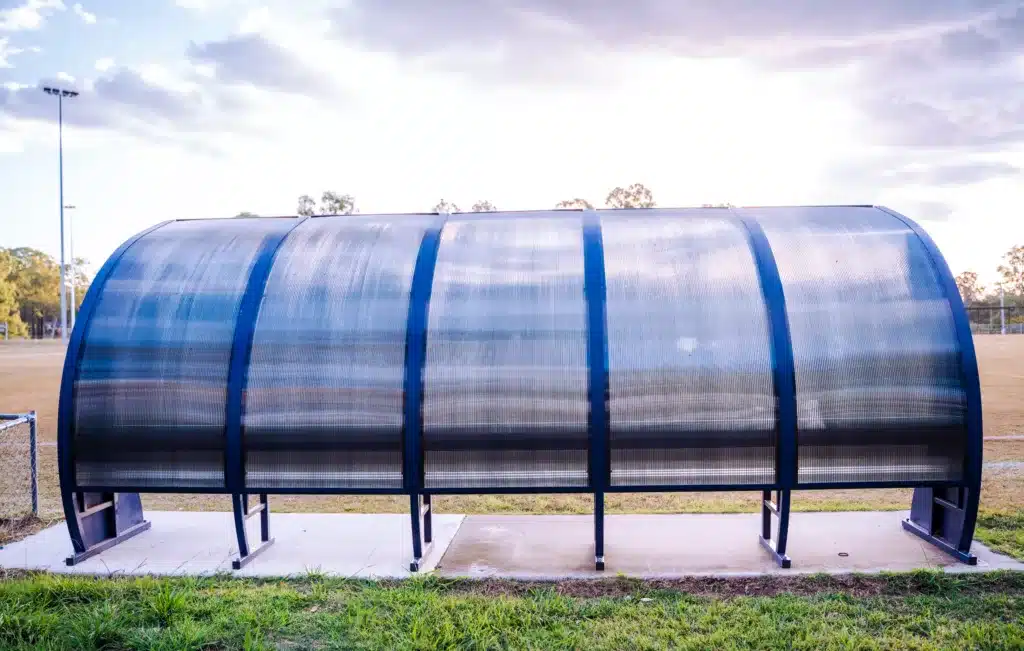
(1007, 320)
(19, 478)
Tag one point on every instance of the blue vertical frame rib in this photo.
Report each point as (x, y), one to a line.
(415, 359)
(415, 356)
(783, 381)
(969, 378)
(69, 378)
(238, 377)
(241, 352)
(595, 295)
(783, 366)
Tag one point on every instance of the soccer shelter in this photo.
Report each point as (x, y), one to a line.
(754, 349)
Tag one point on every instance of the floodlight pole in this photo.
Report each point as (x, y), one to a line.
(71, 254)
(61, 93)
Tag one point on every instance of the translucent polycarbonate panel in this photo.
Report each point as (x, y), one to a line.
(505, 393)
(150, 398)
(325, 388)
(691, 394)
(879, 395)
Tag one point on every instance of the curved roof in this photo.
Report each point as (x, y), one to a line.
(544, 350)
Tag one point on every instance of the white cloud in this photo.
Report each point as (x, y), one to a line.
(6, 51)
(29, 15)
(255, 60)
(87, 17)
(255, 21)
(104, 64)
(63, 76)
(201, 5)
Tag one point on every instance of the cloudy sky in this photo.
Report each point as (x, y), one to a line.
(204, 108)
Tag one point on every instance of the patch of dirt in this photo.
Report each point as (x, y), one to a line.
(13, 529)
(854, 585)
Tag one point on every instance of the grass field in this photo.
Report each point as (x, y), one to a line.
(908, 611)
(30, 377)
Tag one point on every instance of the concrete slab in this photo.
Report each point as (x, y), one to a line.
(528, 547)
(661, 546)
(190, 543)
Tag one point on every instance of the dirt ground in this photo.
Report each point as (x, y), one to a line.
(30, 379)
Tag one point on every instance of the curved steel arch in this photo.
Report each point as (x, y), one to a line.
(69, 378)
(783, 366)
(595, 297)
(784, 383)
(972, 388)
(241, 351)
(234, 404)
(415, 358)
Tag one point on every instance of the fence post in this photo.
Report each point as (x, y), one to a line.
(33, 454)
(1002, 312)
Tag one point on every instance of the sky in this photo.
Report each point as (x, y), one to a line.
(206, 108)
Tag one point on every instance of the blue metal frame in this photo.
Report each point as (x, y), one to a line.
(65, 411)
(449, 490)
(415, 358)
(238, 376)
(596, 295)
(969, 380)
(783, 376)
(783, 371)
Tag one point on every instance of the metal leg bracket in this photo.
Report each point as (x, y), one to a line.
(421, 513)
(105, 520)
(240, 506)
(779, 510)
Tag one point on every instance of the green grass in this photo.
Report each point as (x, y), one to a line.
(1002, 532)
(907, 611)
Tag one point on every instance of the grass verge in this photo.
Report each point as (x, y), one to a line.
(1002, 532)
(907, 611)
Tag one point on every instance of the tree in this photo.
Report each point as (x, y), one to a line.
(445, 207)
(246, 213)
(634, 196)
(9, 296)
(1012, 270)
(970, 290)
(307, 206)
(483, 206)
(575, 203)
(30, 288)
(37, 285)
(331, 203)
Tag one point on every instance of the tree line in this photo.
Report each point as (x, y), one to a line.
(30, 290)
(334, 203)
(1010, 285)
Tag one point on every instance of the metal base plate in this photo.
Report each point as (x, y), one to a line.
(922, 533)
(417, 563)
(783, 561)
(131, 532)
(242, 561)
(599, 563)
